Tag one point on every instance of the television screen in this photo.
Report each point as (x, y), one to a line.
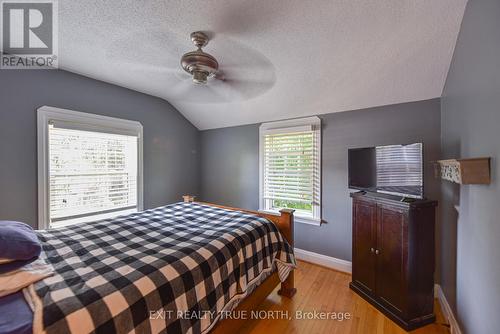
(392, 169)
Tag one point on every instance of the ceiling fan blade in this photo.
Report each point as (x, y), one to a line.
(242, 65)
(151, 68)
(158, 52)
(234, 56)
(218, 91)
(247, 89)
(216, 95)
(185, 90)
(180, 88)
(242, 18)
(155, 44)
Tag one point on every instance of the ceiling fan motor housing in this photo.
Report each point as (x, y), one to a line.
(199, 64)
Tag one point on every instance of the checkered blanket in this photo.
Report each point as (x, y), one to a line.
(172, 269)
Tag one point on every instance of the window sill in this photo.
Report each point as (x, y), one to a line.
(92, 218)
(308, 220)
(298, 219)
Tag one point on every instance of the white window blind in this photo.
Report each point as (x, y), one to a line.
(290, 159)
(90, 173)
(399, 166)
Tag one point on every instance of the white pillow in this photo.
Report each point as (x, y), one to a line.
(14, 281)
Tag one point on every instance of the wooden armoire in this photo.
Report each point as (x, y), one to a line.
(393, 256)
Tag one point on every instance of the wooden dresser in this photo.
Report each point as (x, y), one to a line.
(393, 256)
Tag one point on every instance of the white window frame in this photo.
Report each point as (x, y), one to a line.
(84, 121)
(284, 127)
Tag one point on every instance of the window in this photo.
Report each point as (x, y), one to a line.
(290, 168)
(90, 167)
(399, 169)
(399, 165)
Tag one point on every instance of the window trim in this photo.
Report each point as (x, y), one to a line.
(283, 127)
(87, 121)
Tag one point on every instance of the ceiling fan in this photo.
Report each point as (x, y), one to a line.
(240, 73)
(199, 64)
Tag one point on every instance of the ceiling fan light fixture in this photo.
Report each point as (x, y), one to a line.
(200, 77)
(199, 64)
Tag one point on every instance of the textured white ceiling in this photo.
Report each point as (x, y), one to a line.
(298, 57)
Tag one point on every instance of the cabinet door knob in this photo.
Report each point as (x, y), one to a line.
(377, 252)
(372, 250)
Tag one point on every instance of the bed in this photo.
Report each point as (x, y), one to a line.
(180, 268)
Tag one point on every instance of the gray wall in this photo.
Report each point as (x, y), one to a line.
(470, 122)
(170, 142)
(230, 164)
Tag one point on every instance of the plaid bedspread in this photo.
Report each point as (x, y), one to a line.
(152, 271)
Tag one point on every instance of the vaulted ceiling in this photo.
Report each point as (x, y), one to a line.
(281, 58)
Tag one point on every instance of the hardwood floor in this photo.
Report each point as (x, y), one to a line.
(326, 290)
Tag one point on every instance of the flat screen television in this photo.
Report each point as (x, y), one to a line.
(391, 169)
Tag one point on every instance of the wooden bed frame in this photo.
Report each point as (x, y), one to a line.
(284, 221)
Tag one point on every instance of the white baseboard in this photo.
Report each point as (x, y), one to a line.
(346, 267)
(446, 309)
(324, 260)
